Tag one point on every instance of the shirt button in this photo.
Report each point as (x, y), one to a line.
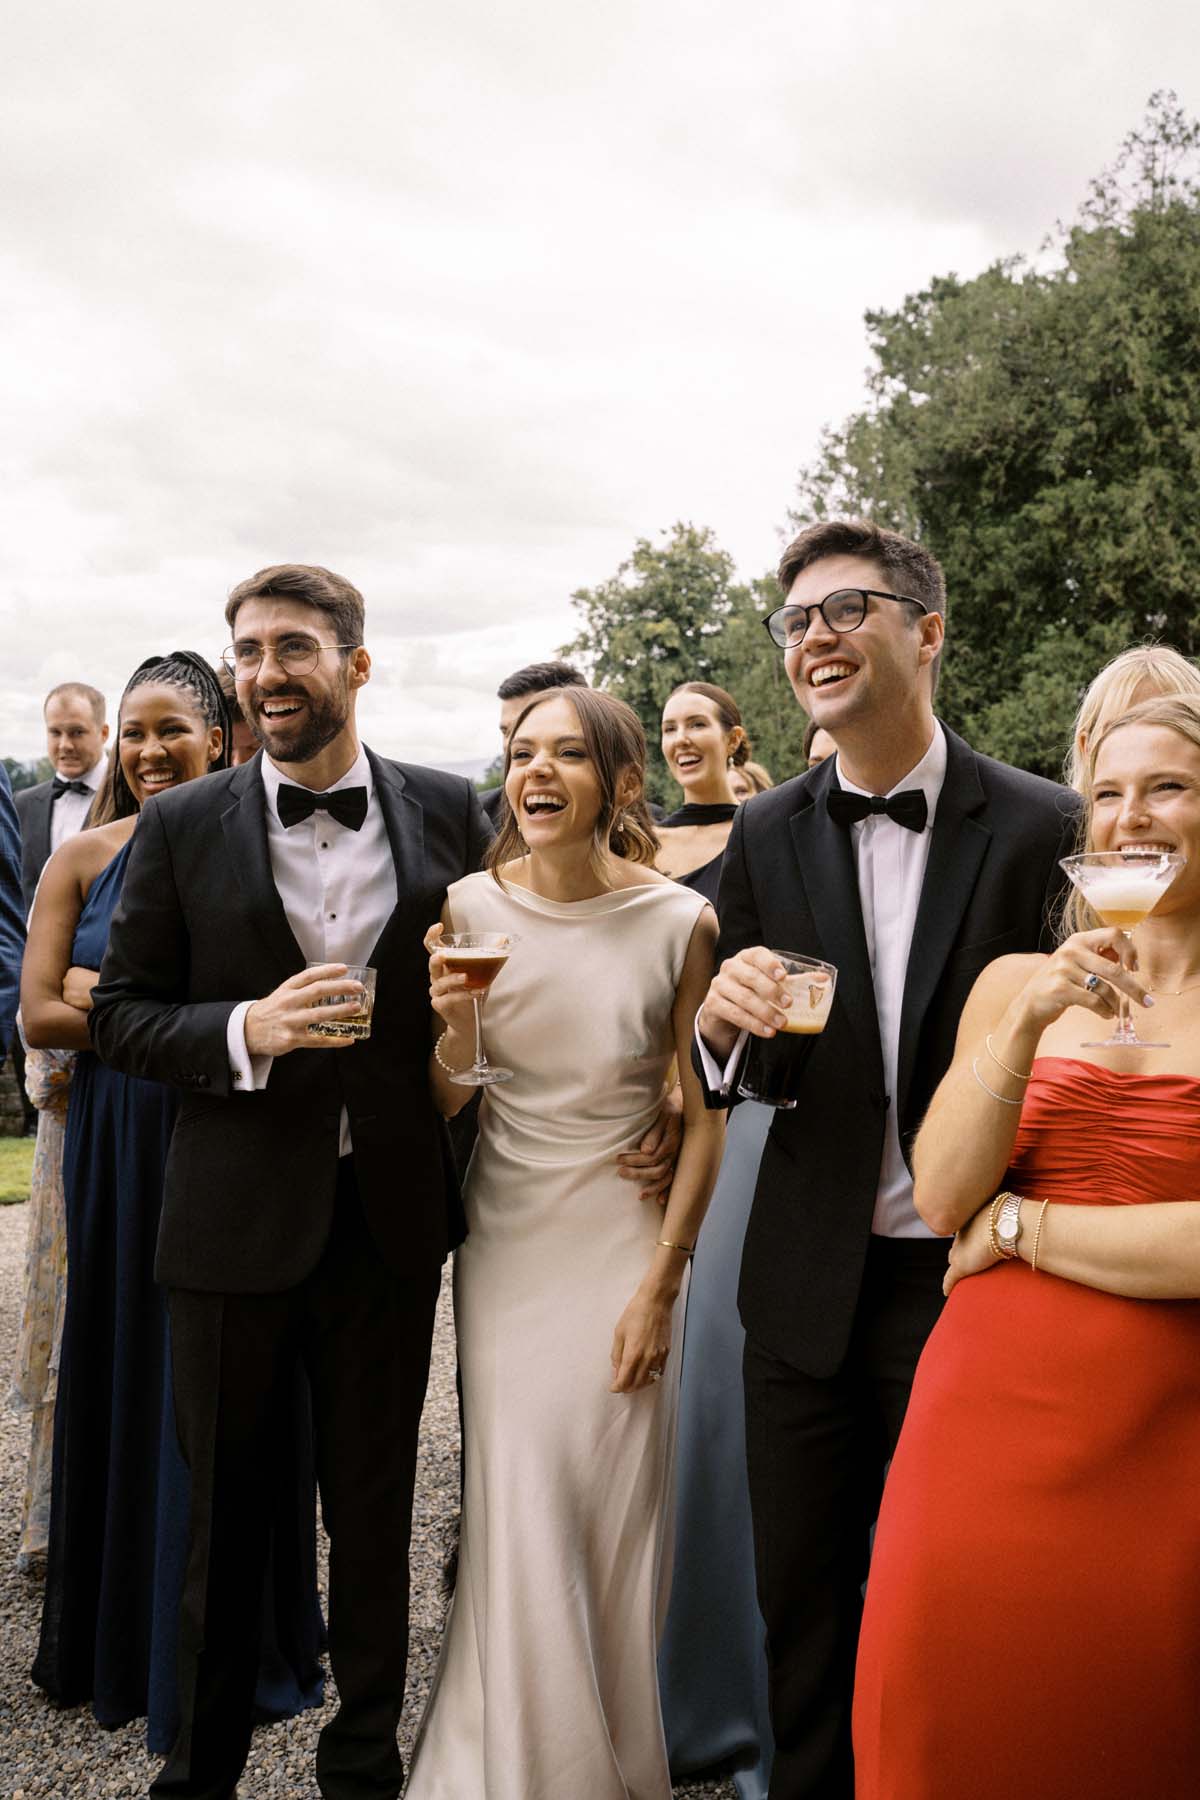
(333, 915)
(324, 845)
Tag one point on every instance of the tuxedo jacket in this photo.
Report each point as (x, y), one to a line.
(790, 881)
(250, 1178)
(33, 810)
(12, 913)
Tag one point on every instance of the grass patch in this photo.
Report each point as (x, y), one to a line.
(16, 1167)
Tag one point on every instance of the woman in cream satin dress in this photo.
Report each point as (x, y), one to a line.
(568, 1291)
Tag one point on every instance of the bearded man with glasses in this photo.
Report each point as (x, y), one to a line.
(910, 862)
(310, 1195)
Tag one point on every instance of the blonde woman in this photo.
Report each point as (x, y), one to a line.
(1032, 1624)
(1142, 673)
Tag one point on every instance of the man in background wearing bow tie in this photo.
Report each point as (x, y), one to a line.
(53, 811)
(310, 1195)
(910, 863)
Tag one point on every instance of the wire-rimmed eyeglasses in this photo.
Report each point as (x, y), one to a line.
(844, 610)
(296, 654)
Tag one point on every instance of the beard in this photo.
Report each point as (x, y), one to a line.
(286, 741)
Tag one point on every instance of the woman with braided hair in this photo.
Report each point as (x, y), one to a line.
(118, 1519)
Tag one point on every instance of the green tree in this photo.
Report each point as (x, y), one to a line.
(28, 774)
(1039, 429)
(673, 612)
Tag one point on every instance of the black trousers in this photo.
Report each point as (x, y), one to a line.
(817, 1452)
(364, 1335)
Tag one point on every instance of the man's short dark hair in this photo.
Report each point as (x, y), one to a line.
(312, 586)
(81, 691)
(537, 677)
(909, 567)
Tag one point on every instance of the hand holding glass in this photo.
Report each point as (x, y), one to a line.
(480, 956)
(1123, 887)
(358, 1025)
(772, 1065)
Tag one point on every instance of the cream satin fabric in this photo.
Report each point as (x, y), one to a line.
(547, 1687)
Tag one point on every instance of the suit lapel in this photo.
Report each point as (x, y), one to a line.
(957, 848)
(244, 823)
(825, 858)
(41, 824)
(405, 824)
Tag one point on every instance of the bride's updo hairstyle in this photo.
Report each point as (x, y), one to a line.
(615, 742)
(1170, 712)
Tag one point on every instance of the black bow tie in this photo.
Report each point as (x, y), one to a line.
(59, 787)
(908, 809)
(347, 805)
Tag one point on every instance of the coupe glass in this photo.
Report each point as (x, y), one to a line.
(1123, 887)
(480, 956)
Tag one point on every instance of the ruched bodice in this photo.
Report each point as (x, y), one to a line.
(1103, 1137)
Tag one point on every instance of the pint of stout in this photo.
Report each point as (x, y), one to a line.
(772, 1067)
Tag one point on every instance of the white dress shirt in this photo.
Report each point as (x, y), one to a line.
(890, 861)
(69, 811)
(338, 889)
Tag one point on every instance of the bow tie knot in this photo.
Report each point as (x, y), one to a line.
(59, 787)
(347, 805)
(909, 809)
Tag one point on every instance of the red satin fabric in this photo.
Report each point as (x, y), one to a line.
(1032, 1628)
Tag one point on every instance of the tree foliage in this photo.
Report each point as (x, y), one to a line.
(673, 612)
(27, 774)
(1039, 429)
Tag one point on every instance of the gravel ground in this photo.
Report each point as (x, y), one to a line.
(48, 1754)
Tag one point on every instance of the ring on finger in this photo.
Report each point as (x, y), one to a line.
(656, 1374)
(1092, 983)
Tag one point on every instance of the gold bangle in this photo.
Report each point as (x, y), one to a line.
(668, 1245)
(993, 1215)
(1037, 1234)
(1015, 1073)
(437, 1051)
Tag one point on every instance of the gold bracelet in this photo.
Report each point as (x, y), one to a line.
(1015, 1073)
(993, 1215)
(437, 1051)
(1002, 1098)
(1037, 1234)
(668, 1245)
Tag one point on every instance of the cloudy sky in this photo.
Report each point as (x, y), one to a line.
(460, 299)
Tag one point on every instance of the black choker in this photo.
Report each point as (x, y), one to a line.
(695, 814)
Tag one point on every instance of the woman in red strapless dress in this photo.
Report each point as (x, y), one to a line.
(1032, 1624)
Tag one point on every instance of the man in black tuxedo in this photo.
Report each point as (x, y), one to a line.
(841, 1282)
(12, 914)
(310, 1197)
(53, 811)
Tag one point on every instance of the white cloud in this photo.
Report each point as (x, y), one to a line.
(461, 300)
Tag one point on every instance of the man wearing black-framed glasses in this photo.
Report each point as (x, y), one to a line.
(910, 862)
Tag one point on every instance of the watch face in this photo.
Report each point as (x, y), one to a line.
(1008, 1224)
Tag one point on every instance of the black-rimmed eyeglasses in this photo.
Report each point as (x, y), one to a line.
(842, 611)
(296, 654)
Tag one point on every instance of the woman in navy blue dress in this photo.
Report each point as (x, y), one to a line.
(712, 1665)
(119, 1500)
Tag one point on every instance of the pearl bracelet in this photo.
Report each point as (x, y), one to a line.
(437, 1051)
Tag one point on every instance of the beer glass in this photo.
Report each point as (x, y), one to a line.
(358, 1025)
(772, 1067)
(480, 956)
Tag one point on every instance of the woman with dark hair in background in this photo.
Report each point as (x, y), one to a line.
(702, 740)
(712, 1660)
(118, 1511)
